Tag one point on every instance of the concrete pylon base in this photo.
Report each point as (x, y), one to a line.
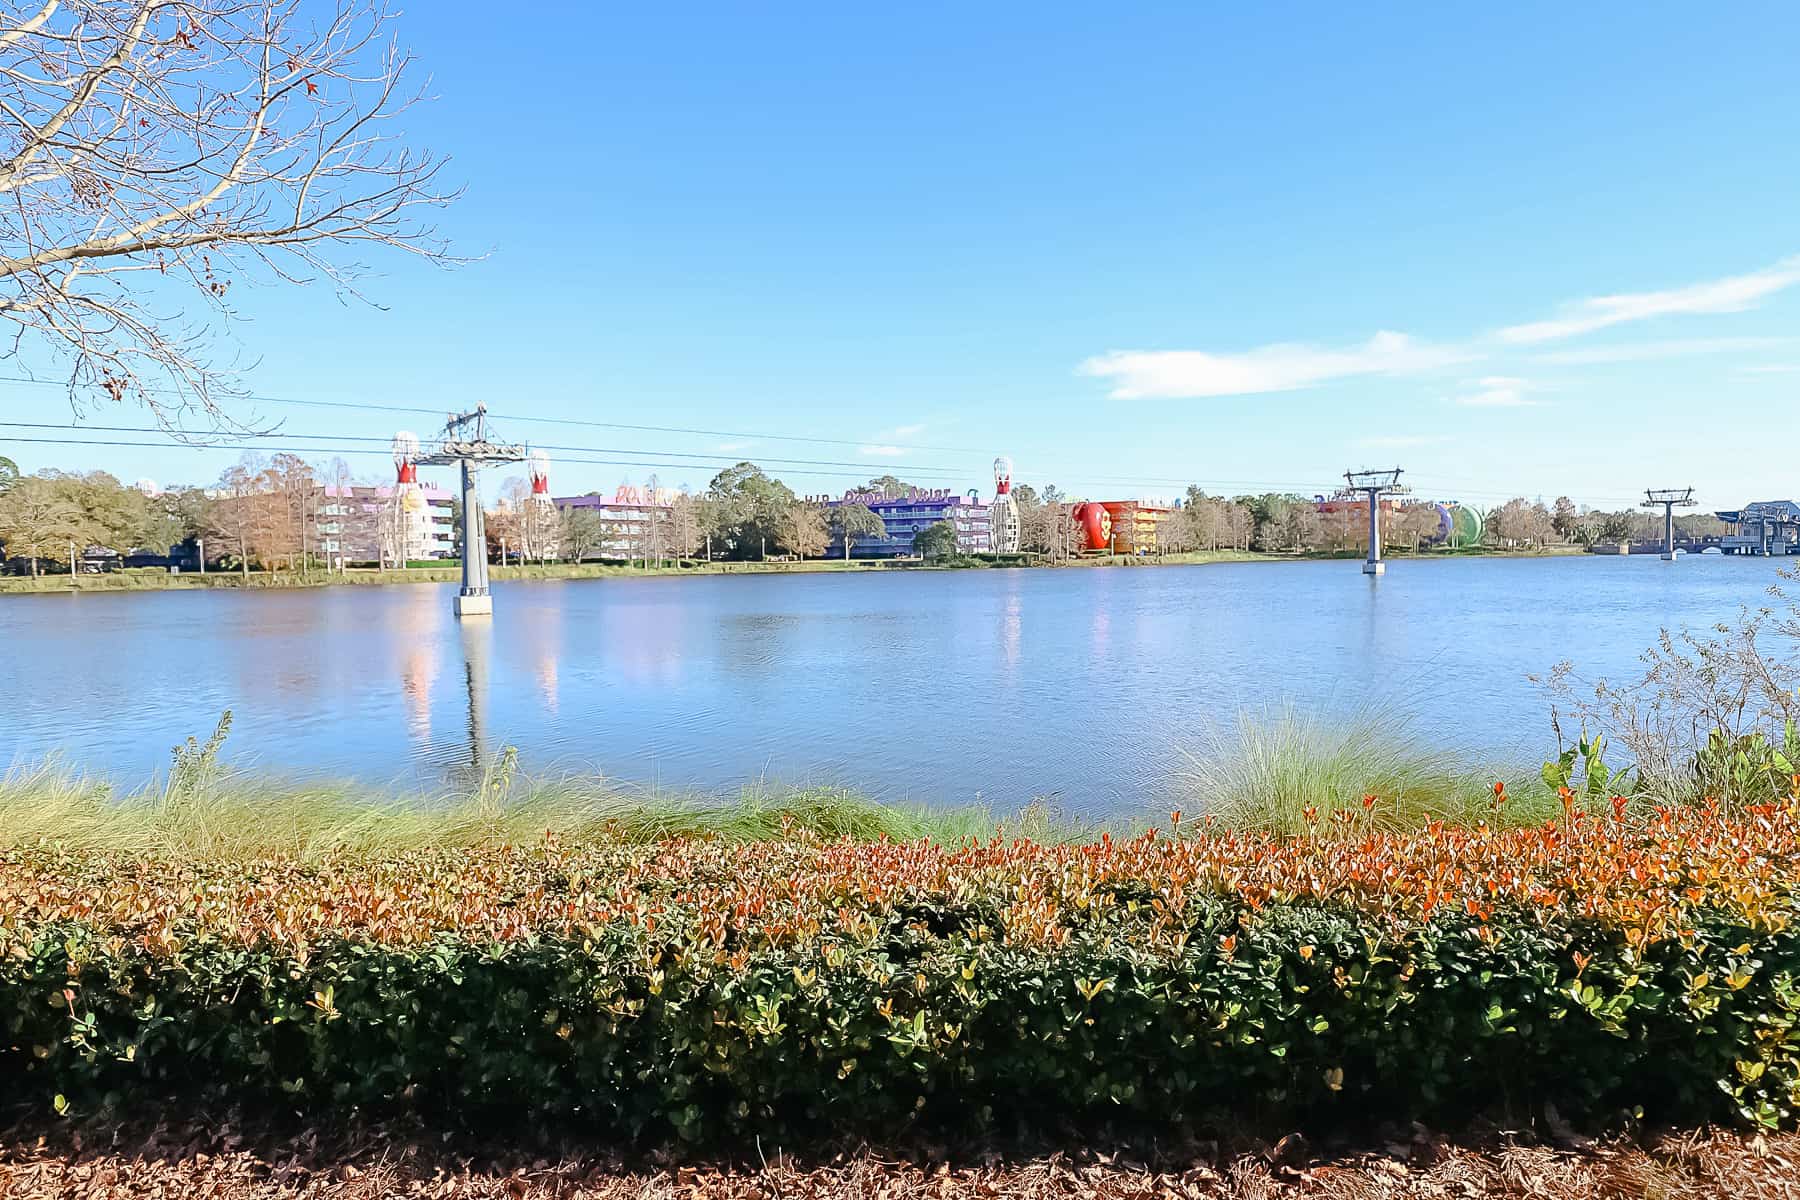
(475, 606)
(1669, 555)
(1374, 568)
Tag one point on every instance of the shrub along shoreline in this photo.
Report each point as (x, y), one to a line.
(698, 990)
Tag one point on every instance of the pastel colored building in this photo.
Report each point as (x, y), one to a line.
(906, 516)
(1121, 526)
(372, 524)
(631, 517)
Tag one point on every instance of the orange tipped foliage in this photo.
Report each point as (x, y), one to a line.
(706, 989)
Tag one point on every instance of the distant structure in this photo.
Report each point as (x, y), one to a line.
(1003, 513)
(1668, 499)
(540, 476)
(538, 522)
(465, 443)
(1129, 527)
(1374, 485)
(629, 520)
(357, 523)
(905, 516)
(405, 504)
(1770, 527)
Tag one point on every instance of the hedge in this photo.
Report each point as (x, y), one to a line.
(708, 991)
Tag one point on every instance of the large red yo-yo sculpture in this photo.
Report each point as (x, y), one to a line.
(1095, 525)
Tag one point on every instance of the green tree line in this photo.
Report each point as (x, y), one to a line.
(267, 512)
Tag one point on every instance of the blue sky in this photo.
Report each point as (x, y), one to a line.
(1536, 249)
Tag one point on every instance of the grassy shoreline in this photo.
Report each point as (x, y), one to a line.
(1342, 932)
(1272, 772)
(155, 580)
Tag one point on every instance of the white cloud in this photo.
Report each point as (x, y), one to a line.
(1771, 369)
(1651, 351)
(1734, 293)
(734, 447)
(1400, 441)
(1498, 391)
(909, 430)
(1290, 366)
(882, 451)
(1141, 374)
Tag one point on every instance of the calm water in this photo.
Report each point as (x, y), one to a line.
(934, 686)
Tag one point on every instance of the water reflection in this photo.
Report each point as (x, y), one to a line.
(477, 637)
(1010, 628)
(413, 625)
(928, 686)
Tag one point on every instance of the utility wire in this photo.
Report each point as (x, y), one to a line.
(658, 457)
(365, 406)
(255, 439)
(260, 445)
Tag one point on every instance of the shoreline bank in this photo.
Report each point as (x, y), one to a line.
(155, 579)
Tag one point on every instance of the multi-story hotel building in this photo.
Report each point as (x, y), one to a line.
(368, 524)
(634, 518)
(906, 516)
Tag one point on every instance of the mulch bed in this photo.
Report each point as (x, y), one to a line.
(62, 1161)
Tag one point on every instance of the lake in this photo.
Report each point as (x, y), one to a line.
(935, 686)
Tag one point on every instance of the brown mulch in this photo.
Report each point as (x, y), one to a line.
(218, 1163)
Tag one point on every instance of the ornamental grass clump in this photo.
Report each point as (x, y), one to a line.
(702, 990)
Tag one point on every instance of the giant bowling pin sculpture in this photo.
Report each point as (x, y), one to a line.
(539, 518)
(1003, 514)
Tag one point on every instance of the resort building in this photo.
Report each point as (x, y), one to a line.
(905, 516)
(1764, 527)
(1121, 526)
(375, 524)
(634, 519)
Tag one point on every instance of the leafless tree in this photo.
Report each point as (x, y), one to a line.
(154, 152)
(237, 517)
(583, 534)
(685, 524)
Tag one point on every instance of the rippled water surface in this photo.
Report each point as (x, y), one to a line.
(936, 686)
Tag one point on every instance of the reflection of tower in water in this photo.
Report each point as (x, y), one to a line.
(477, 642)
(416, 637)
(416, 674)
(543, 637)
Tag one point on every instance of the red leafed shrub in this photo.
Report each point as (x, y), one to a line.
(710, 990)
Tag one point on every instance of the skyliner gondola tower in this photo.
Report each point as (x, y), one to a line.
(465, 443)
(1374, 485)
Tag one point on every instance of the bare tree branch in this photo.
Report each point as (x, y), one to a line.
(153, 152)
